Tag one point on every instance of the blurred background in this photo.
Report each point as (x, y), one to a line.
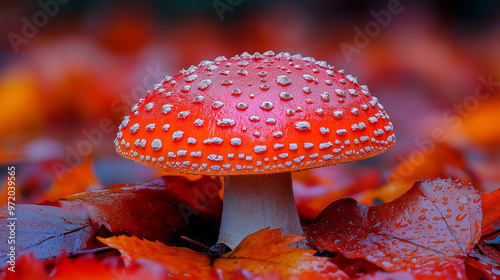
(70, 71)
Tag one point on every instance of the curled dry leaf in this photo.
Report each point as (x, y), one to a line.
(160, 209)
(260, 253)
(428, 231)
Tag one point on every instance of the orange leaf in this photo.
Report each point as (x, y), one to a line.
(77, 180)
(260, 253)
(428, 231)
(491, 208)
(265, 251)
(177, 260)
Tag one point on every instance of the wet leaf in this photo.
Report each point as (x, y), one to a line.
(428, 231)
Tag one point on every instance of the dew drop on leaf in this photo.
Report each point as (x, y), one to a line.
(461, 216)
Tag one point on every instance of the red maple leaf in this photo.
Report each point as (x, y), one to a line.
(428, 231)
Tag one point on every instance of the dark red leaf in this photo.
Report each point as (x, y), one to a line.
(428, 231)
(160, 209)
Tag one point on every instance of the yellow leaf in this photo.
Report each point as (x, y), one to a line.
(264, 251)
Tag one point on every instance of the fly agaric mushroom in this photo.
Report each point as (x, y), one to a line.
(254, 119)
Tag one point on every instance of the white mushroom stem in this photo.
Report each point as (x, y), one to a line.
(254, 202)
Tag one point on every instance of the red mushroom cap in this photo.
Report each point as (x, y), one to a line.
(251, 114)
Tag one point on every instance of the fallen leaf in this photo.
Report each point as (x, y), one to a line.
(177, 260)
(47, 231)
(266, 251)
(261, 253)
(428, 231)
(181, 203)
(79, 179)
(491, 208)
(486, 256)
(160, 209)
